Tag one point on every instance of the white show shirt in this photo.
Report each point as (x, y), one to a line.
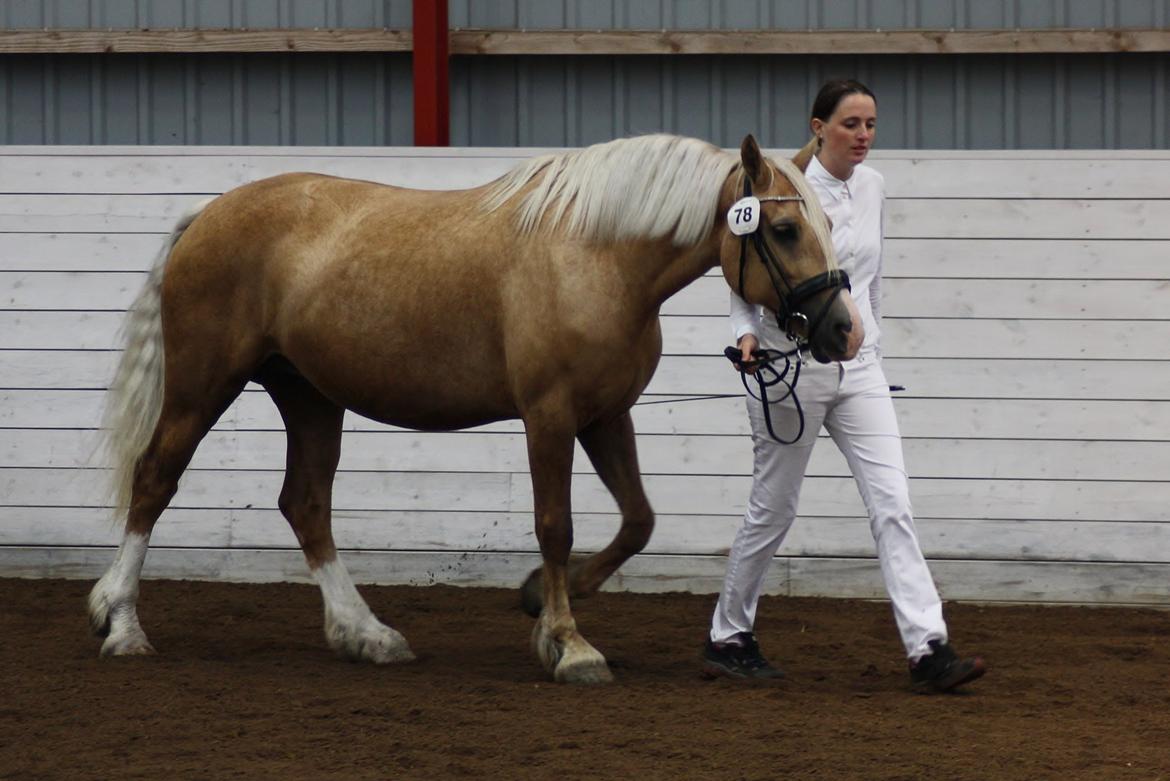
(855, 208)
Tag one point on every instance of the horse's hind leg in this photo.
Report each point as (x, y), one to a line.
(313, 424)
(182, 423)
(610, 447)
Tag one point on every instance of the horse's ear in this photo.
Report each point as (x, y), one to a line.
(753, 159)
(805, 155)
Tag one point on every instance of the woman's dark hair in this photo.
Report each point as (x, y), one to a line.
(831, 94)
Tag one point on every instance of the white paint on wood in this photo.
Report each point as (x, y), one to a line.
(1118, 379)
(398, 450)
(1002, 174)
(1028, 539)
(991, 581)
(1025, 313)
(993, 498)
(1015, 419)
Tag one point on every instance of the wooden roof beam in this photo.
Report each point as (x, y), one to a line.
(594, 42)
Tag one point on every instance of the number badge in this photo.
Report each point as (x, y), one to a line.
(744, 216)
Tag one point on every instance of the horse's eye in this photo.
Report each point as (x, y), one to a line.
(785, 230)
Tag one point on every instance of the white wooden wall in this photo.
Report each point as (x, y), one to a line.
(1026, 313)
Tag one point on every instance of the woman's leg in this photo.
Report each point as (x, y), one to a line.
(777, 473)
(864, 426)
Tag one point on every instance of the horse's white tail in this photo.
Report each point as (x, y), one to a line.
(134, 400)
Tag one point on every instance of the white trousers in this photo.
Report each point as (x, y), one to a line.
(852, 401)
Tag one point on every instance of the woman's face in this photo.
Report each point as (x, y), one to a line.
(848, 134)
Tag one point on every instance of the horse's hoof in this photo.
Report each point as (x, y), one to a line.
(371, 641)
(383, 651)
(588, 671)
(574, 662)
(532, 593)
(132, 643)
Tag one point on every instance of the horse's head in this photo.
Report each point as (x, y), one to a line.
(777, 251)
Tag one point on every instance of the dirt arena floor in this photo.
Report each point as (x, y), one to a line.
(245, 688)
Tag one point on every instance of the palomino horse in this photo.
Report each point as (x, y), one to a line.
(332, 293)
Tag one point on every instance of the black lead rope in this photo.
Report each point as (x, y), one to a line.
(767, 376)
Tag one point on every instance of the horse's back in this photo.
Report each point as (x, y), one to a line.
(359, 285)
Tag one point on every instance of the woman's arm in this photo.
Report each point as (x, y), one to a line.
(875, 287)
(745, 320)
(745, 317)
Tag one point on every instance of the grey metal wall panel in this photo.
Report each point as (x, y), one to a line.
(927, 102)
(315, 99)
(596, 14)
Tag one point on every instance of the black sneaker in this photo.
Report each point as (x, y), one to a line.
(738, 658)
(942, 670)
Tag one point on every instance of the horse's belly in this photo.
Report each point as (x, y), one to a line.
(429, 416)
(432, 399)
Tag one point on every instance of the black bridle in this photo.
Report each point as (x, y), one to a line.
(788, 317)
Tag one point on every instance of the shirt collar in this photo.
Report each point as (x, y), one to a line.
(819, 176)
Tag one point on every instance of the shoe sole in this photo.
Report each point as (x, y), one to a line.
(712, 670)
(974, 672)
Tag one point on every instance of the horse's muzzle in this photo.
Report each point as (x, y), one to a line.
(840, 334)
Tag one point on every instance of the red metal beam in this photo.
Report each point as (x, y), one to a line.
(432, 126)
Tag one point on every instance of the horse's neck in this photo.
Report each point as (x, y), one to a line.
(673, 268)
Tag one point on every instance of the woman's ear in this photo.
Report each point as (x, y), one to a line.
(805, 154)
(753, 160)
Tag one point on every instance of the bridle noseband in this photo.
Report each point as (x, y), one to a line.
(788, 316)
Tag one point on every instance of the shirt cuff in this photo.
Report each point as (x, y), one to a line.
(746, 328)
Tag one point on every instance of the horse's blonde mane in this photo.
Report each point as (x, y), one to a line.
(642, 187)
(810, 207)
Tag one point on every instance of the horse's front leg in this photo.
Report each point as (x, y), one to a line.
(610, 446)
(561, 648)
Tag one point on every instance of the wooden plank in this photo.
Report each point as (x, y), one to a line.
(698, 335)
(1068, 299)
(477, 451)
(87, 252)
(993, 174)
(974, 218)
(1017, 175)
(135, 174)
(670, 494)
(593, 42)
(960, 378)
(939, 337)
(991, 258)
(472, 152)
(736, 42)
(70, 290)
(1098, 584)
(202, 41)
(393, 530)
(91, 213)
(1027, 219)
(929, 258)
(1120, 380)
(1068, 583)
(1021, 419)
(1061, 299)
(1040, 299)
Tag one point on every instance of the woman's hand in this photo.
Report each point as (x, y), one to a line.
(748, 344)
